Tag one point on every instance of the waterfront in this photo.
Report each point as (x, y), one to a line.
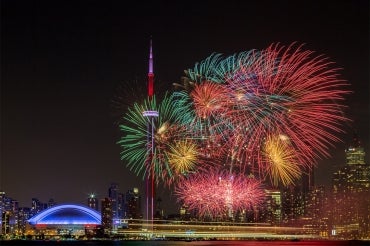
(180, 243)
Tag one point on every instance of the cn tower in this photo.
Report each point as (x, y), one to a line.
(151, 114)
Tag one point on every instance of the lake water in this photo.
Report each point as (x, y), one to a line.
(184, 243)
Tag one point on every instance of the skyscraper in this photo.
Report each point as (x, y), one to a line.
(37, 206)
(117, 200)
(293, 204)
(5, 222)
(351, 192)
(92, 202)
(51, 203)
(132, 204)
(113, 195)
(2, 208)
(9, 215)
(316, 211)
(106, 214)
(273, 207)
(24, 213)
(270, 211)
(355, 154)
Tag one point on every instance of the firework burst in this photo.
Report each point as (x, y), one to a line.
(201, 110)
(219, 193)
(210, 100)
(271, 113)
(282, 165)
(182, 157)
(290, 91)
(168, 133)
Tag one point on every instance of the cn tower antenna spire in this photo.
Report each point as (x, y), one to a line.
(151, 72)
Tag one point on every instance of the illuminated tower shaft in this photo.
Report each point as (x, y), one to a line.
(150, 74)
(151, 115)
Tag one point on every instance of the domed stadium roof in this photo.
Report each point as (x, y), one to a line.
(67, 214)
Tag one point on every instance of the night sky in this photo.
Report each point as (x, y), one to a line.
(64, 62)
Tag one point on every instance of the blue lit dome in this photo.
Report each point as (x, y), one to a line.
(67, 214)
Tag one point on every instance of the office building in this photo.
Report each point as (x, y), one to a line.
(133, 204)
(117, 200)
(351, 192)
(93, 202)
(106, 214)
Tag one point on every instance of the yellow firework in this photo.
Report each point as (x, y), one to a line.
(182, 157)
(282, 162)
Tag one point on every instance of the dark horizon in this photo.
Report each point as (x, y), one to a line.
(62, 64)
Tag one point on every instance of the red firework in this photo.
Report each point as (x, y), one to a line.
(211, 103)
(219, 193)
(210, 99)
(290, 92)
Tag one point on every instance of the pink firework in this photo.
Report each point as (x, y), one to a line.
(219, 193)
(289, 92)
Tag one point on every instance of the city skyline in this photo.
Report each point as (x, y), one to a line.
(61, 68)
(340, 213)
(355, 160)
